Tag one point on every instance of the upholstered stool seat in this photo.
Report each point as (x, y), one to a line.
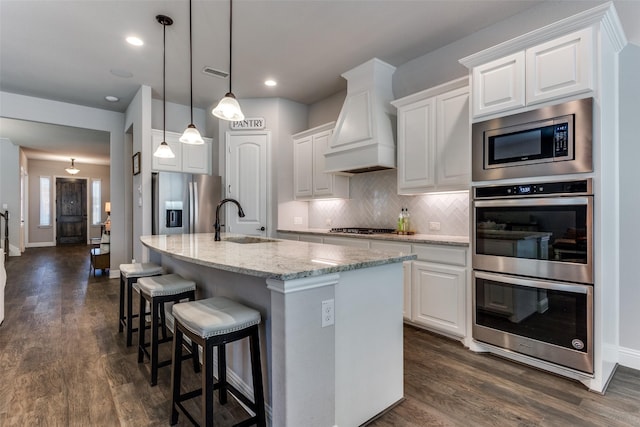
(129, 274)
(215, 322)
(158, 290)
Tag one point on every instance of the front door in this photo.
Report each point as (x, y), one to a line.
(71, 211)
(246, 181)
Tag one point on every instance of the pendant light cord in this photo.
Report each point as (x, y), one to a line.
(230, 40)
(164, 79)
(191, 61)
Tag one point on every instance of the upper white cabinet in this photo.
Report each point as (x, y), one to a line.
(555, 69)
(434, 139)
(499, 85)
(561, 67)
(309, 179)
(188, 158)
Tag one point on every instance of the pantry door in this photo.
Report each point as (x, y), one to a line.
(246, 180)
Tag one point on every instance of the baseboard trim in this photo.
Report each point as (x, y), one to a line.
(40, 244)
(629, 357)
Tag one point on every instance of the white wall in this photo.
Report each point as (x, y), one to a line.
(41, 110)
(629, 206)
(37, 236)
(9, 191)
(283, 118)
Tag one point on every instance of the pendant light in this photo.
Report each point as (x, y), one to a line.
(228, 107)
(164, 151)
(191, 134)
(72, 169)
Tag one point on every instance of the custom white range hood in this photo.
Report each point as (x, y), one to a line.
(364, 137)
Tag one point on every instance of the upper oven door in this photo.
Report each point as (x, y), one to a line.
(548, 237)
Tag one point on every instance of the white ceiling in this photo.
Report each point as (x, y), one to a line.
(68, 50)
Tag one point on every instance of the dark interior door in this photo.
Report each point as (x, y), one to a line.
(71, 211)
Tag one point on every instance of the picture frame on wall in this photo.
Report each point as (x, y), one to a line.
(136, 163)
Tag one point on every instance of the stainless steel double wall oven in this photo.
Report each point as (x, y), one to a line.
(532, 256)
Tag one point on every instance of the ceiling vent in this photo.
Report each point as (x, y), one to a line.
(210, 71)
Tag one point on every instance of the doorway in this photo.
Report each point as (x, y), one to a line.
(71, 211)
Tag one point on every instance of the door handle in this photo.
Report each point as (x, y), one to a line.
(261, 228)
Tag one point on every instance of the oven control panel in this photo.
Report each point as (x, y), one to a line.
(539, 189)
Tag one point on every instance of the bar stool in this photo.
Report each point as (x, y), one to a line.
(158, 290)
(131, 273)
(216, 322)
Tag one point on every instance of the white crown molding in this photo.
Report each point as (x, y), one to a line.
(303, 284)
(604, 13)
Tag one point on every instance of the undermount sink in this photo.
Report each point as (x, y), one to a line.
(248, 239)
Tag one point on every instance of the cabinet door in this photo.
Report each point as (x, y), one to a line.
(302, 168)
(438, 297)
(453, 140)
(162, 164)
(322, 182)
(561, 67)
(499, 85)
(196, 158)
(416, 140)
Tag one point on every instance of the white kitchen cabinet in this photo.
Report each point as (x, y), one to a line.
(561, 67)
(555, 69)
(434, 139)
(499, 85)
(309, 179)
(438, 289)
(188, 158)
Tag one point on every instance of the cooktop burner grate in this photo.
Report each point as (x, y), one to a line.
(362, 230)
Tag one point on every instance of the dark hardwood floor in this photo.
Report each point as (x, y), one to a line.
(63, 363)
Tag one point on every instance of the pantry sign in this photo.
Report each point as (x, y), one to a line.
(250, 123)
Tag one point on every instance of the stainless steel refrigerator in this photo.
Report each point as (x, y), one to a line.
(184, 203)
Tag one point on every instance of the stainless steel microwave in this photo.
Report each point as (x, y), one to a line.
(552, 140)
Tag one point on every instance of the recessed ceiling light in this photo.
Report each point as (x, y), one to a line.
(135, 41)
(270, 82)
(121, 73)
(112, 98)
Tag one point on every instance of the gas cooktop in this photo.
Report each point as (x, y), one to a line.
(362, 230)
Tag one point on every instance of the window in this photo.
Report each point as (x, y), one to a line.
(96, 197)
(45, 201)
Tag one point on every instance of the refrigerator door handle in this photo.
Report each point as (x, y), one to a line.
(192, 212)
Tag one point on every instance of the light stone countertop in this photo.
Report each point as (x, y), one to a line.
(433, 239)
(276, 259)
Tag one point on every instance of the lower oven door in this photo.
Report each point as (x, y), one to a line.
(547, 320)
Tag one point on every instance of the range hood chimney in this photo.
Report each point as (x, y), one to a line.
(364, 137)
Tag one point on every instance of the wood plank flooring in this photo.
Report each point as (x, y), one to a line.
(63, 363)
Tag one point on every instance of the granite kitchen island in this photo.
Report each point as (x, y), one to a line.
(342, 374)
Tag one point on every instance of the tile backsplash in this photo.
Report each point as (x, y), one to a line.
(374, 202)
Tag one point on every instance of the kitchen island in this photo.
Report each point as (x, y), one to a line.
(342, 373)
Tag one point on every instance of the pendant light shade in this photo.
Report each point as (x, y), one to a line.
(228, 108)
(72, 169)
(164, 151)
(191, 134)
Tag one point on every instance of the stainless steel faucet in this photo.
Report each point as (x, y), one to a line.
(216, 225)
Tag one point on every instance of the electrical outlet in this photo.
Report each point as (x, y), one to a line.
(297, 220)
(327, 313)
(434, 226)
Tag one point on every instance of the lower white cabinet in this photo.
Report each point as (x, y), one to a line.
(435, 285)
(438, 297)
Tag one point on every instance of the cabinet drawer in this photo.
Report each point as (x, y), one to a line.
(441, 254)
(345, 241)
(391, 246)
